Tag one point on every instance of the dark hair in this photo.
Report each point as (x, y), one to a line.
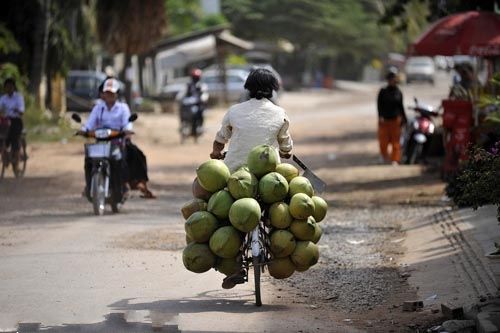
(11, 81)
(261, 82)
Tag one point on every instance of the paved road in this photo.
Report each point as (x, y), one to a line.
(64, 270)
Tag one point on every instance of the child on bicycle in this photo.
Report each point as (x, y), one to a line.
(251, 123)
(12, 104)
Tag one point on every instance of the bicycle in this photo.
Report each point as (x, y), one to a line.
(256, 254)
(7, 157)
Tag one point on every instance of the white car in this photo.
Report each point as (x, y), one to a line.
(420, 69)
(235, 81)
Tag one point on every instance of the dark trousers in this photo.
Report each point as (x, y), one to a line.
(137, 166)
(14, 135)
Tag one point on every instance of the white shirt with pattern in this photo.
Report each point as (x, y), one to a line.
(250, 124)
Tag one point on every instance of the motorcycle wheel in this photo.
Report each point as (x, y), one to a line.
(415, 153)
(98, 194)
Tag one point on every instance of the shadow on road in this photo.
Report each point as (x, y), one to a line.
(159, 316)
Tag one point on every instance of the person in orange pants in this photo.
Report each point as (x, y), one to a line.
(391, 116)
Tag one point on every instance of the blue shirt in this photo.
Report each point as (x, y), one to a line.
(115, 118)
(13, 106)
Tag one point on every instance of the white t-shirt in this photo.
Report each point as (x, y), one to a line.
(250, 124)
(10, 103)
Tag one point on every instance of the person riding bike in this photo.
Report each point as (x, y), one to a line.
(195, 94)
(12, 105)
(254, 122)
(110, 113)
(136, 164)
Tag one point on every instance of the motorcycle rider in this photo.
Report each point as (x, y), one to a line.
(196, 90)
(109, 113)
(391, 117)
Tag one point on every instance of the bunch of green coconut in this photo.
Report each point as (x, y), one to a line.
(228, 206)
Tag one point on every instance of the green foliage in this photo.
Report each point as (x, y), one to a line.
(10, 70)
(8, 43)
(185, 16)
(236, 60)
(477, 182)
(400, 15)
(336, 36)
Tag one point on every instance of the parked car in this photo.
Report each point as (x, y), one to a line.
(420, 69)
(235, 81)
(81, 89)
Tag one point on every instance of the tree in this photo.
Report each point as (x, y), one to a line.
(316, 28)
(184, 16)
(129, 27)
(398, 13)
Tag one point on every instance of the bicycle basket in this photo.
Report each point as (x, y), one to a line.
(98, 150)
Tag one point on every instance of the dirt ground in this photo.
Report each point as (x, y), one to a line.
(358, 283)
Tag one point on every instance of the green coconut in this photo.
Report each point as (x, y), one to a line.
(200, 226)
(320, 208)
(300, 184)
(192, 206)
(279, 215)
(262, 159)
(317, 233)
(198, 258)
(225, 242)
(219, 204)
(273, 187)
(281, 268)
(188, 239)
(199, 192)
(306, 254)
(282, 243)
(245, 214)
(303, 229)
(301, 206)
(242, 184)
(287, 170)
(213, 175)
(228, 266)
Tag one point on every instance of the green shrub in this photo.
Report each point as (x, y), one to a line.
(477, 183)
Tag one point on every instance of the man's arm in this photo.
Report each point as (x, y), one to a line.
(217, 151)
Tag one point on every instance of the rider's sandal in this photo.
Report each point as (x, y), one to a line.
(232, 280)
(147, 194)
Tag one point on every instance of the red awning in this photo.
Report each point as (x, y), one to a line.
(470, 33)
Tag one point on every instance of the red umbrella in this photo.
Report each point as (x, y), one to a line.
(470, 33)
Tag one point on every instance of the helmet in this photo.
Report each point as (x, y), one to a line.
(392, 72)
(196, 73)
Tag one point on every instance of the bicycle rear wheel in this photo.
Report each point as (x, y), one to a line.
(257, 261)
(20, 166)
(4, 159)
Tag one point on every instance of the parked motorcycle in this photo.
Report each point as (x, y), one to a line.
(105, 186)
(418, 133)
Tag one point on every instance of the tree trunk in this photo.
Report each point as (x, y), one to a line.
(140, 61)
(41, 35)
(123, 77)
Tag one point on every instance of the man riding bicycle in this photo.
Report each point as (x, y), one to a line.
(12, 107)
